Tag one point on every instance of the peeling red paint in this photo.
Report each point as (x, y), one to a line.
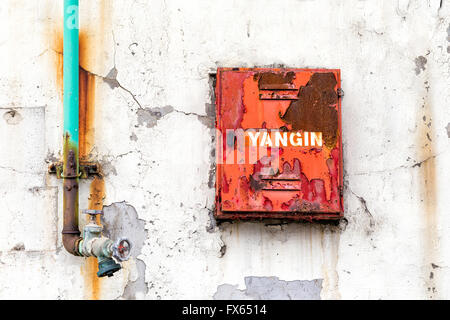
(225, 185)
(268, 204)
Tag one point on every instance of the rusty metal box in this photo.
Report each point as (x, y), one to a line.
(278, 144)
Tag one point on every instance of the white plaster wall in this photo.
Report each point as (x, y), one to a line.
(395, 243)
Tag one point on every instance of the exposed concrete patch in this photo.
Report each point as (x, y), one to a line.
(448, 129)
(230, 292)
(212, 222)
(111, 78)
(420, 61)
(139, 286)
(209, 119)
(271, 288)
(212, 167)
(211, 184)
(150, 116)
(121, 220)
(107, 167)
(12, 117)
(210, 110)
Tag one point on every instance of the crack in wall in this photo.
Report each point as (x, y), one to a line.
(150, 116)
(417, 164)
(366, 211)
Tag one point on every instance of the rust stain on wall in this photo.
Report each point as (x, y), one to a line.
(93, 283)
(86, 114)
(55, 47)
(86, 143)
(95, 19)
(95, 36)
(428, 188)
(87, 124)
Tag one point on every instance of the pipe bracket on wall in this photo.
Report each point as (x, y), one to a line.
(86, 169)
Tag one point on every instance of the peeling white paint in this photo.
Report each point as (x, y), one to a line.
(395, 241)
(271, 288)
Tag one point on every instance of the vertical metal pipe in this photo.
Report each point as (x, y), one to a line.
(71, 70)
(71, 232)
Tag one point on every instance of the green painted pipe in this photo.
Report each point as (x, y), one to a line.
(71, 65)
(71, 233)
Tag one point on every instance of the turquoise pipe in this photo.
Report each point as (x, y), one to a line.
(71, 65)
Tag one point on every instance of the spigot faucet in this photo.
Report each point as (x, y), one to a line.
(94, 244)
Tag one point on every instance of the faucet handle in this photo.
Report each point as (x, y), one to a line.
(92, 213)
(122, 249)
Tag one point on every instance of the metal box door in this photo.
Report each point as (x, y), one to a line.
(298, 173)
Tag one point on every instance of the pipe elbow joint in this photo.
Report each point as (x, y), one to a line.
(71, 242)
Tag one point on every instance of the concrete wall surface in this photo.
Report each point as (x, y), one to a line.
(149, 122)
